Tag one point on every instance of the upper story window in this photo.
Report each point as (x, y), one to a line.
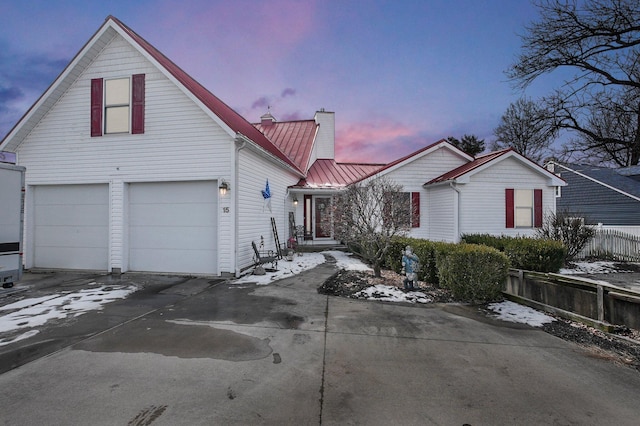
(117, 105)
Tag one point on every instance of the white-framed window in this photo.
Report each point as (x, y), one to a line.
(410, 201)
(117, 104)
(523, 208)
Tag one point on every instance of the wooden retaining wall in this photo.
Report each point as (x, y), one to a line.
(598, 304)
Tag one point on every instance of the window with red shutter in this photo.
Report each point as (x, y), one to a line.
(537, 208)
(96, 107)
(415, 210)
(510, 211)
(115, 108)
(137, 101)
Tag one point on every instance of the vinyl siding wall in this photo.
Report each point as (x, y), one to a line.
(254, 218)
(414, 175)
(442, 202)
(180, 143)
(597, 203)
(482, 200)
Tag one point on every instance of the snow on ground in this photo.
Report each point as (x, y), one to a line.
(392, 294)
(302, 262)
(600, 267)
(513, 312)
(30, 313)
(34, 312)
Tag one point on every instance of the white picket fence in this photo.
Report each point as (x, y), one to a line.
(613, 244)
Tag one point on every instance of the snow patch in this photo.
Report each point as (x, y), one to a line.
(391, 294)
(34, 312)
(513, 312)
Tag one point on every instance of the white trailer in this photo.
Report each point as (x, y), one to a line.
(11, 223)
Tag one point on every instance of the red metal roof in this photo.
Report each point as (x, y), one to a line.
(327, 173)
(294, 138)
(465, 168)
(235, 121)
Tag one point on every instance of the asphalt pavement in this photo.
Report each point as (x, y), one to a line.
(197, 351)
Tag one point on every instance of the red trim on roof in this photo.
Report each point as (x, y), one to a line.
(235, 121)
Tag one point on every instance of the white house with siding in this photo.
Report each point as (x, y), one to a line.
(132, 165)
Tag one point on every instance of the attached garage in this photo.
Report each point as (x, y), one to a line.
(173, 227)
(71, 226)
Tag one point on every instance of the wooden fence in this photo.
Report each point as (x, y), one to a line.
(613, 244)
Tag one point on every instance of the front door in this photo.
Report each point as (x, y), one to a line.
(322, 213)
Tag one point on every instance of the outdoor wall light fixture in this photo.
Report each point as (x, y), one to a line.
(295, 201)
(224, 187)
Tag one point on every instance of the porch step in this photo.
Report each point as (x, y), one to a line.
(315, 248)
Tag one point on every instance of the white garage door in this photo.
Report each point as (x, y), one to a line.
(172, 227)
(71, 226)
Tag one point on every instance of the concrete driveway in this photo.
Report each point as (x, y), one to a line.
(197, 352)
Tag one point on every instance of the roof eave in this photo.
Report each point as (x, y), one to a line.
(58, 87)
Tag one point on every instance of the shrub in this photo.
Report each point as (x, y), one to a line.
(425, 250)
(474, 273)
(534, 254)
(569, 229)
(531, 254)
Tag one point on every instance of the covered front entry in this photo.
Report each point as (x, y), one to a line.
(318, 217)
(71, 226)
(173, 227)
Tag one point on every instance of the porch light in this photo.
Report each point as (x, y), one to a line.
(224, 187)
(295, 201)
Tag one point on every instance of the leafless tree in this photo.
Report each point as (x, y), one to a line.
(524, 128)
(599, 41)
(368, 215)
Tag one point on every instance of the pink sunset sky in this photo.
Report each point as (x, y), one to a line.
(398, 74)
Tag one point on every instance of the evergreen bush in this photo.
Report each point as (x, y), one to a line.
(473, 273)
(531, 254)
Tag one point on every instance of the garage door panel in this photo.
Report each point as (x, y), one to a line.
(71, 258)
(173, 227)
(193, 238)
(173, 192)
(71, 226)
(166, 213)
(77, 215)
(167, 260)
(80, 237)
(83, 194)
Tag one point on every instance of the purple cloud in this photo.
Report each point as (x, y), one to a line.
(288, 92)
(261, 103)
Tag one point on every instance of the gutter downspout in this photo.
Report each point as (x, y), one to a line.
(456, 212)
(240, 144)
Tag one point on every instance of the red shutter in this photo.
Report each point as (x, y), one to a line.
(96, 107)
(415, 210)
(137, 110)
(509, 198)
(537, 208)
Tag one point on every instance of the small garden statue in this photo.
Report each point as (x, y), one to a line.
(409, 268)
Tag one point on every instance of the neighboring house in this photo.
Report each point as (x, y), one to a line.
(600, 195)
(132, 165)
